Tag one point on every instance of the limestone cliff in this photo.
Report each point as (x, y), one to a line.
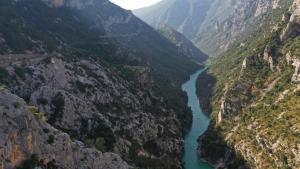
(255, 104)
(27, 140)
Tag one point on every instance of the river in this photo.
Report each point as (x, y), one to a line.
(199, 126)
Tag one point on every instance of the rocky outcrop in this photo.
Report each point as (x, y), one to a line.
(264, 5)
(295, 63)
(229, 106)
(269, 58)
(28, 141)
(292, 29)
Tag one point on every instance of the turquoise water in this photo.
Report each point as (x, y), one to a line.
(199, 126)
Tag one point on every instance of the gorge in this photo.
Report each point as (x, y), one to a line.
(85, 84)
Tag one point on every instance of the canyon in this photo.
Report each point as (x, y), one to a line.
(87, 84)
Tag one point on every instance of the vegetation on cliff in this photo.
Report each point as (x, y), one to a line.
(255, 99)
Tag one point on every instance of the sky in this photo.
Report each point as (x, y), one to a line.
(134, 4)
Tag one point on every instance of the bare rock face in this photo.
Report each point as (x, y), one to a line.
(264, 5)
(97, 107)
(269, 58)
(295, 63)
(229, 106)
(25, 136)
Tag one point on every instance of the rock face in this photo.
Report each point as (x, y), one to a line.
(263, 6)
(255, 106)
(91, 102)
(25, 136)
(229, 106)
(295, 63)
(270, 58)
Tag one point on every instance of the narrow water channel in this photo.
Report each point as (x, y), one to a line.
(199, 126)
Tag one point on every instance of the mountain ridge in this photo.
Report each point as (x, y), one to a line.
(218, 24)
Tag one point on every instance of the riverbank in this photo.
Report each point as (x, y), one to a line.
(212, 147)
(204, 89)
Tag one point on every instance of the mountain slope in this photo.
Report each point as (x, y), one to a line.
(94, 73)
(214, 25)
(185, 46)
(255, 98)
(187, 21)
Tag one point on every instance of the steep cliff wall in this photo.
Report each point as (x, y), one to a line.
(255, 104)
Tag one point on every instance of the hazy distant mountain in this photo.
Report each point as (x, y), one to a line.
(186, 16)
(185, 46)
(213, 25)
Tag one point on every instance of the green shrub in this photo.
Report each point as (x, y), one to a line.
(20, 72)
(3, 74)
(144, 161)
(98, 130)
(59, 103)
(35, 162)
(42, 101)
(82, 87)
(57, 106)
(50, 139)
(89, 142)
(46, 130)
(152, 147)
(37, 114)
(17, 104)
(100, 144)
(1, 87)
(31, 163)
(297, 93)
